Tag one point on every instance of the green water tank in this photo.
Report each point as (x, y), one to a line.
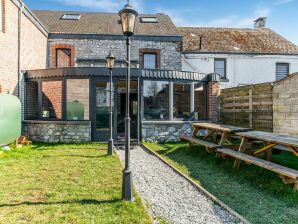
(10, 119)
(75, 111)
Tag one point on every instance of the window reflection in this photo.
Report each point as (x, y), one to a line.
(156, 100)
(201, 101)
(77, 106)
(103, 105)
(181, 99)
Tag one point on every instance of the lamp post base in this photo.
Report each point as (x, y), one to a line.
(127, 186)
(110, 147)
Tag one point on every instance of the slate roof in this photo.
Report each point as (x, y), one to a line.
(235, 40)
(103, 23)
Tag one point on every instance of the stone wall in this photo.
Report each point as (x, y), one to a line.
(58, 131)
(164, 131)
(170, 56)
(285, 106)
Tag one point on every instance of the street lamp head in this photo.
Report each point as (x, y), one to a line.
(110, 61)
(128, 17)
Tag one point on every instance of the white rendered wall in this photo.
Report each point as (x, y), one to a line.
(241, 69)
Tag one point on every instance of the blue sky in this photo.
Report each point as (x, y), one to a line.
(281, 14)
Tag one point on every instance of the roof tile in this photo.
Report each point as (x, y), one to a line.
(103, 23)
(235, 40)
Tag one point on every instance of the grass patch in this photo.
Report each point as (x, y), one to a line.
(257, 194)
(64, 184)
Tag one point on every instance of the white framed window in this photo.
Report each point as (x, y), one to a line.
(220, 67)
(150, 60)
(149, 20)
(71, 17)
(282, 70)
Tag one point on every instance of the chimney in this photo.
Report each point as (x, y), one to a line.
(260, 22)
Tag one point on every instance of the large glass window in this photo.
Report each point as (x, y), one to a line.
(220, 67)
(156, 100)
(103, 105)
(181, 98)
(200, 101)
(77, 95)
(150, 60)
(52, 99)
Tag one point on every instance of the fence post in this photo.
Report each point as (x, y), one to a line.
(250, 109)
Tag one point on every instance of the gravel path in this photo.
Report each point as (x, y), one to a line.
(171, 196)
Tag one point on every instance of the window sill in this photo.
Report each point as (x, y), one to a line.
(224, 80)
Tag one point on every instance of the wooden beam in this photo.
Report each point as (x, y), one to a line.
(241, 149)
(265, 148)
(293, 150)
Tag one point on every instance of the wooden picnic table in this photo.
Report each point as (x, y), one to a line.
(225, 131)
(270, 140)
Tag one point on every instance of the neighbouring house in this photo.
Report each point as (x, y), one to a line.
(240, 56)
(23, 44)
(69, 101)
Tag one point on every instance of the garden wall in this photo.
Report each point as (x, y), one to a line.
(248, 106)
(267, 106)
(58, 131)
(285, 106)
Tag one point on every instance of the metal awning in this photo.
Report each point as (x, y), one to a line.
(73, 72)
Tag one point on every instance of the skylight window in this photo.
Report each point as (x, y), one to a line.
(149, 20)
(71, 16)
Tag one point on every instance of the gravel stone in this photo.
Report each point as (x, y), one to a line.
(169, 195)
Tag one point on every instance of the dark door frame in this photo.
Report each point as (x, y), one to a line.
(92, 107)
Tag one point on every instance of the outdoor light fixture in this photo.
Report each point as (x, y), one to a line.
(110, 61)
(110, 65)
(128, 17)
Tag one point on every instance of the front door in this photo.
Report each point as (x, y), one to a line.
(121, 108)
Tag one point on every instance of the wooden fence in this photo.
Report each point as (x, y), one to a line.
(248, 106)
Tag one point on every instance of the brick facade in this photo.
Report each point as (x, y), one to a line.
(59, 58)
(31, 97)
(213, 101)
(3, 2)
(52, 98)
(33, 47)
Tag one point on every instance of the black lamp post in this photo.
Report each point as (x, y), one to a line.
(110, 65)
(128, 17)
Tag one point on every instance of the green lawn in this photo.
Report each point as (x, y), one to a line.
(64, 184)
(257, 194)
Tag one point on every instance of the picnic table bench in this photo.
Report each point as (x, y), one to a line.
(270, 139)
(288, 175)
(225, 132)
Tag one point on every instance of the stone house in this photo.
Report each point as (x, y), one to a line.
(20, 30)
(241, 56)
(69, 101)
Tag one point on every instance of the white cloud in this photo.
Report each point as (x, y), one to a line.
(227, 21)
(102, 5)
(282, 2)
